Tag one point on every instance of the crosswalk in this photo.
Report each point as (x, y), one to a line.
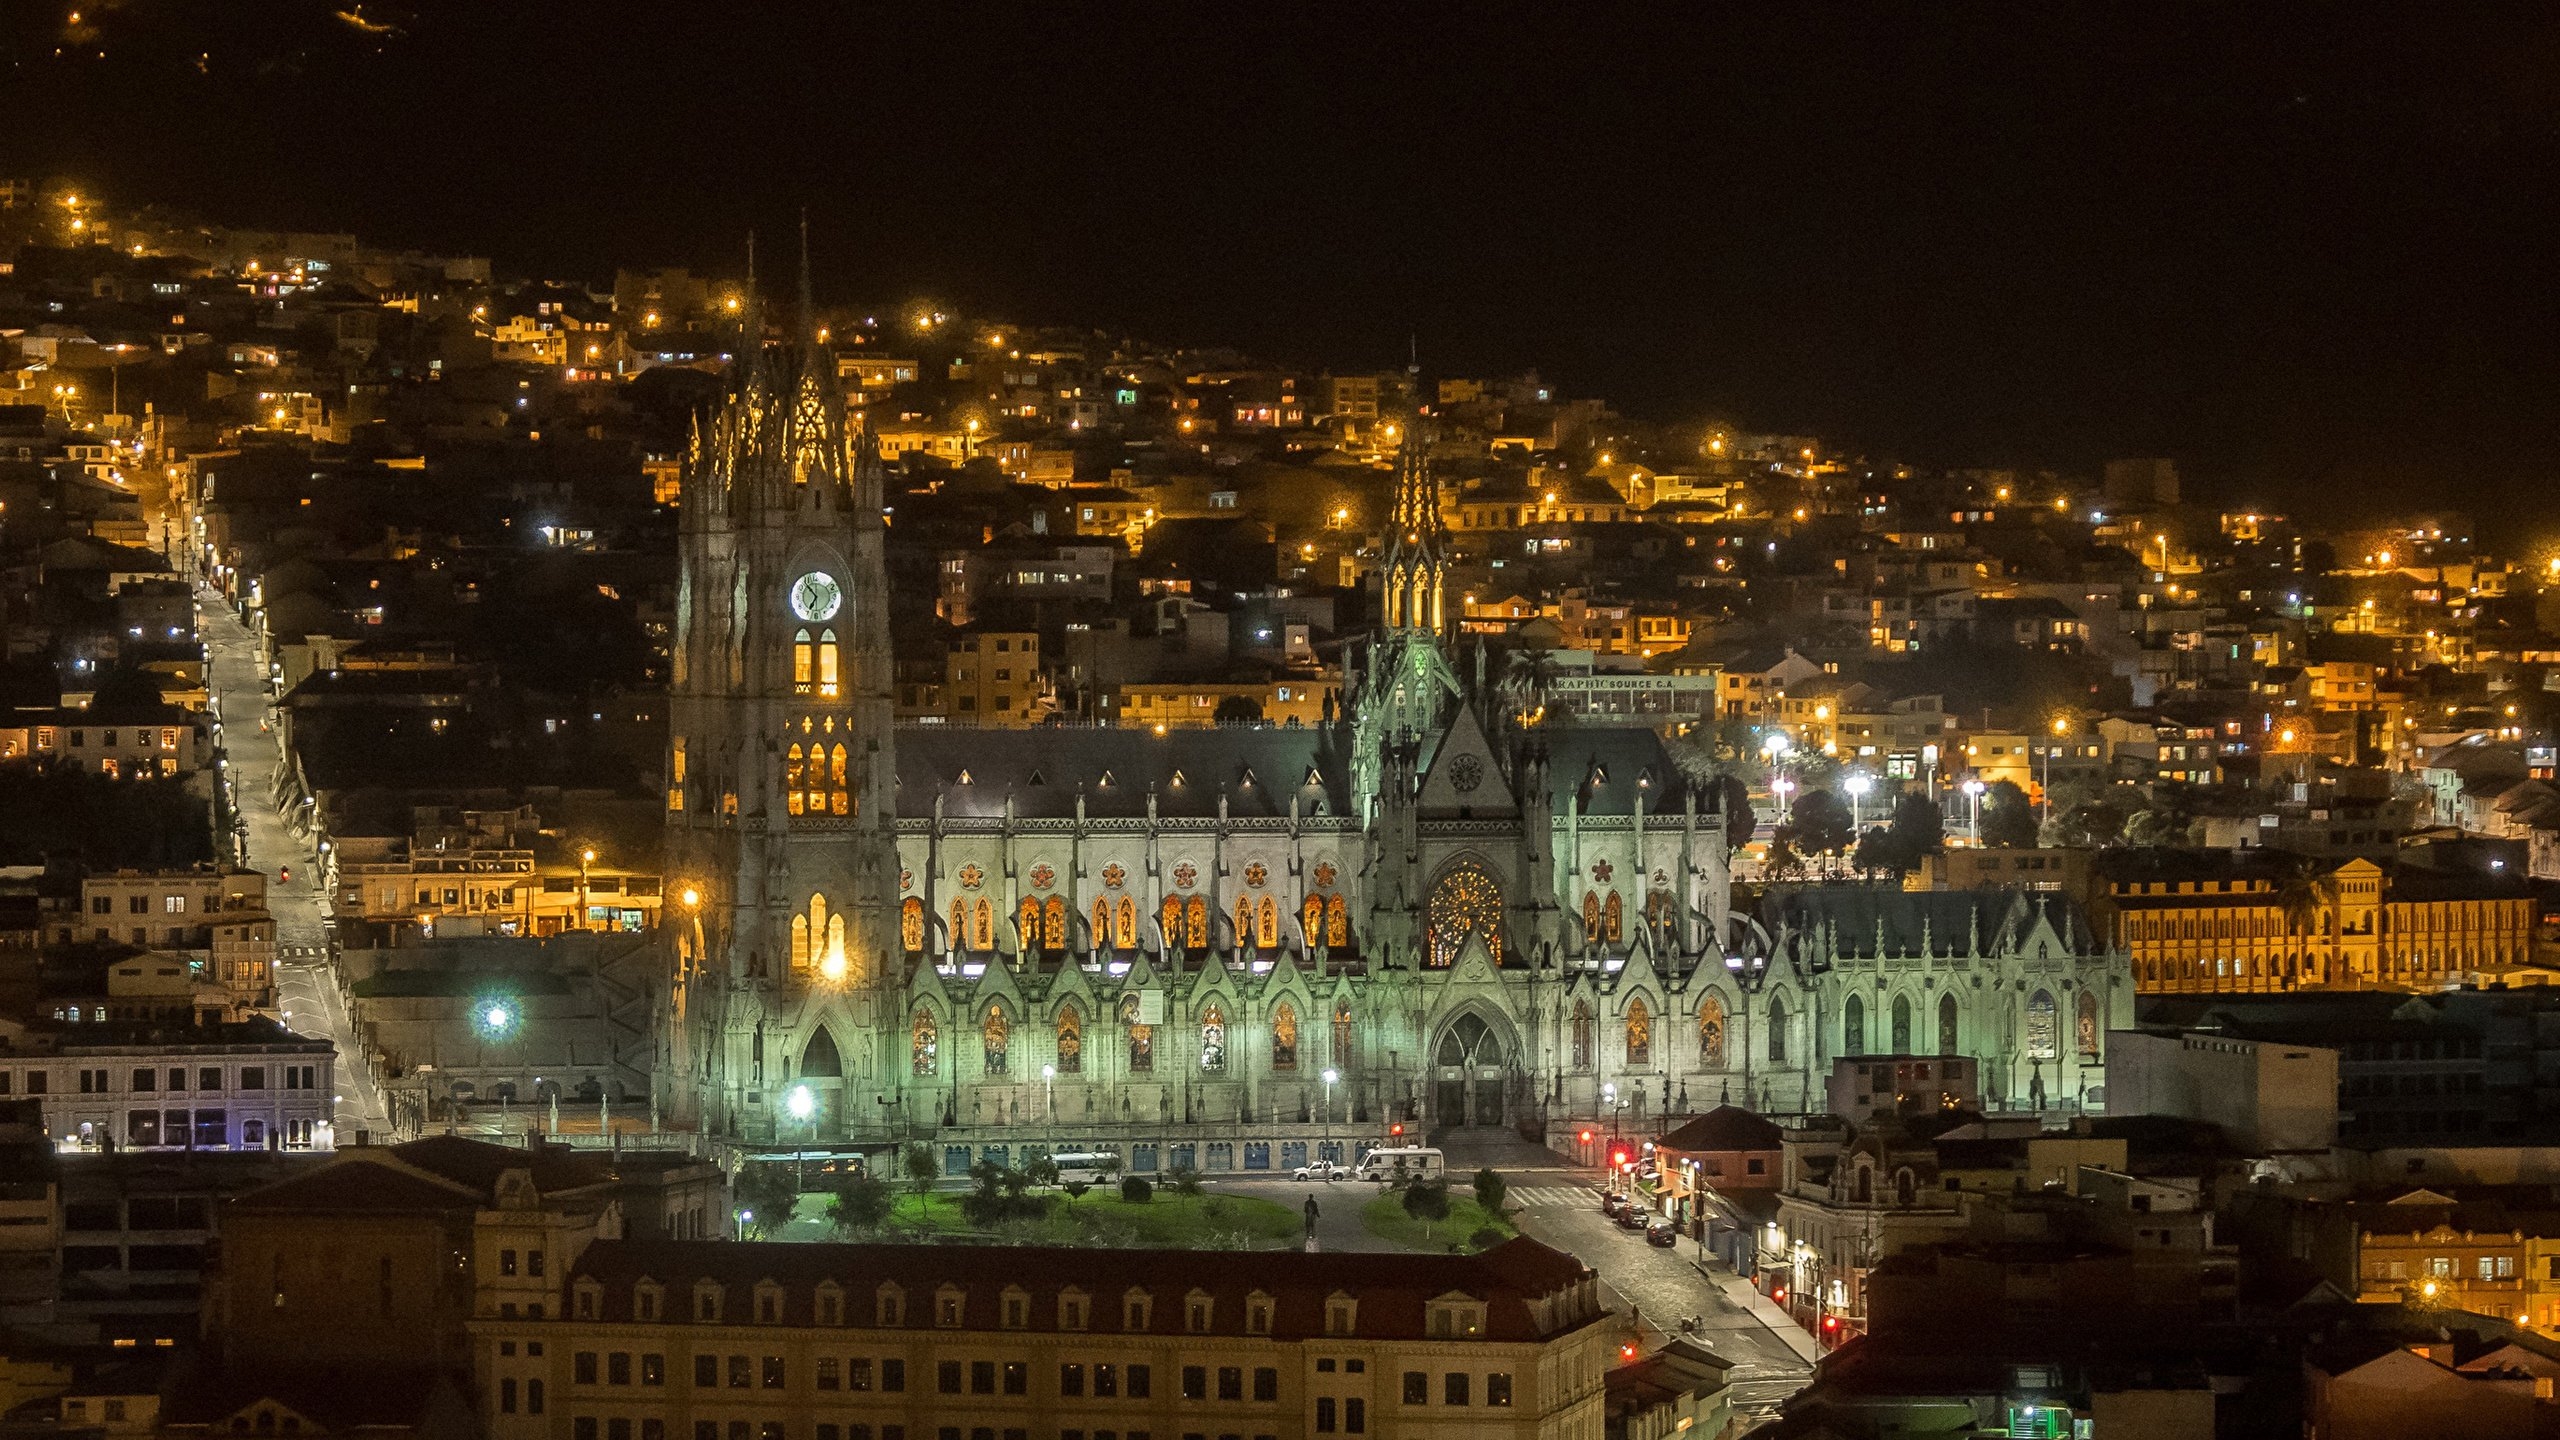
(1554, 1196)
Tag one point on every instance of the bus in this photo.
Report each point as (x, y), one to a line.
(1086, 1167)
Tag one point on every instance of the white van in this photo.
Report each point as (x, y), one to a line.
(1404, 1162)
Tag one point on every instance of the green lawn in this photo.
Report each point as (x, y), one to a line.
(1098, 1218)
(1384, 1217)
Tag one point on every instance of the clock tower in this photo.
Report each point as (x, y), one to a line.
(782, 861)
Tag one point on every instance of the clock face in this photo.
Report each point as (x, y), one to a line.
(816, 596)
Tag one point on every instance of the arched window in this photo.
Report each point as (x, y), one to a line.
(2044, 1020)
(1124, 927)
(1346, 1036)
(996, 1038)
(1266, 928)
(794, 773)
(1026, 921)
(911, 926)
(803, 664)
(799, 942)
(1195, 925)
(1466, 903)
(1337, 922)
(1311, 920)
(1070, 1041)
(1244, 921)
(827, 663)
(1639, 1035)
(1213, 1038)
(1906, 1189)
(1853, 1026)
(1947, 1035)
(1581, 1036)
(1590, 917)
(1169, 918)
(958, 939)
(1101, 923)
(841, 802)
(1613, 919)
(1142, 1037)
(2085, 1030)
(1778, 1029)
(925, 1045)
(1901, 1025)
(831, 961)
(1284, 1037)
(804, 956)
(1711, 1034)
(982, 935)
(1053, 927)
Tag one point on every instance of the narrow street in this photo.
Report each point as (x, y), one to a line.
(306, 977)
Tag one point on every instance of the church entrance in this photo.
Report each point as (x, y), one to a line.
(1468, 1074)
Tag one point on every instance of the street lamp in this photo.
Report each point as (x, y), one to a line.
(586, 857)
(1049, 1082)
(802, 1102)
(1330, 1075)
(1857, 785)
(2061, 729)
(1973, 805)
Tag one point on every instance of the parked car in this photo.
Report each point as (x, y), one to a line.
(1632, 1217)
(1612, 1203)
(1323, 1170)
(1662, 1232)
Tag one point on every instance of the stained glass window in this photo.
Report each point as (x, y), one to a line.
(1853, 1026)
(1590, 918)
(1947, 1034)
(1337, 922)
(1639, 1035)
(1213, 1038)
(827, 663)
(998, 1038)
(841, 801)
(1195, 928)
(1466, 903)
(1613, 920)
(803, 672)
(1169, 918)
(959, 937)
(1778, 1029)
(2044, 1022)
(793, 771)
(1101, 923)
(1124, 929)
(1142, 1038)
(1053, 926)
(2086, 1029)
(982, 935)
(911, 925)
(1311, 920)
(1070, 1041)
(1581, 1036)
(1901, 1025)
(1284, 1037)
(1244, 921)
(1711, 1034)
(1026, 921)
(1346, 1037)
(1266, 928)
(926, 1046)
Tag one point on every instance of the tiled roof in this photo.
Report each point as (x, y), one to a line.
(1393, 1291)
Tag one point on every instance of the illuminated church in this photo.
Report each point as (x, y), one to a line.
(1235, 948)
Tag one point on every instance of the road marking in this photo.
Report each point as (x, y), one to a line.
(1555, 1196)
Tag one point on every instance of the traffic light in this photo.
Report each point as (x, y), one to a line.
(1618, 1157)
(1830, 1322)
(1586, 1137)
(1396, 1129)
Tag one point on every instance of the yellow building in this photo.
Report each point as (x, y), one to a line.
(1291, 701)
(2222, 929)
(993, 678)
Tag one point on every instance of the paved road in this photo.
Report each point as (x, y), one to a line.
(306, 980)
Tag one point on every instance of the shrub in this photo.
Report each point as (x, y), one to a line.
(1491, 1189)
(1183, 1180)
(1135, 1190)
(1486, 1238)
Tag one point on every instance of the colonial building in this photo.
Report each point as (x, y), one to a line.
(1439, 903)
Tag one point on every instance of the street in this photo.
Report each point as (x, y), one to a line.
(306, 978)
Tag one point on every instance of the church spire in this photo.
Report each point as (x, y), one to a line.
(1417, 566)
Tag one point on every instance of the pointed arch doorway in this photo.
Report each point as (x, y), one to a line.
(1467, 1069)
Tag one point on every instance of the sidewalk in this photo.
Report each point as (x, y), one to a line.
(1746, 1296)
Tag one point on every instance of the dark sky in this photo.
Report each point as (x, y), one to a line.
(2307, 250)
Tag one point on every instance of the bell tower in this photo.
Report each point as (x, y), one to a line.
(781, 826)
(1402, 693)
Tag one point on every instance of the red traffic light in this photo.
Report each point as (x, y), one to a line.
(1586, 1137)
(1395, 1129)
(1779, 1294)
(1830, 1322)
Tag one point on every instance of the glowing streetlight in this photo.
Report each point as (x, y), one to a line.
(1857, 785)
(1973, 802)
(802, 1102)
(1330, 1076)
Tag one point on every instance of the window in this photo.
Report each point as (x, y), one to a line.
(507, 1397)
(1195, 1382)
(1070, 1379)
(982, 1377)
(1266, 1383)
(583, 1369)
(1453, 1387)
(1497, 1388)
(741, 1373)
(772, 1371)
(1417, 1388)
(1017, 1378)
(706, 1371)
(533, 1397)
(1230, 1382)
(653, 1369)
(1355, 1416)
(1141, 1382)
(946, 1377)
(893, 1380)
(857, 1373)
(1106, 1381)
(617, 1368)
(1324, 1415)
(830, 1375)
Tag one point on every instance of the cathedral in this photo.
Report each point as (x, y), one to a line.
(1245, 947)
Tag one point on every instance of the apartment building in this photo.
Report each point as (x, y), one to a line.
(247, 1085)
(216, 918)
(993, 678)
(900, 1342)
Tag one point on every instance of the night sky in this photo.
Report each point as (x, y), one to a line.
(2307, 250)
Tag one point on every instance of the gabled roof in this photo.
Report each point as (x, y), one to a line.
(1725, 1128)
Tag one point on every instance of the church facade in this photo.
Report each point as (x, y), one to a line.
(1236, 948)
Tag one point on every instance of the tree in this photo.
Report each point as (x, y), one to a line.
(2008, 817)
(998, 1193)
(2155, 828)
(1134, 1190)
(1820, 823)
(1782, 859)
(916, 1162)
(1042, 1170)
(764, 1192)
(1491, 1189)
(1427, 1201)
(1741, 822)
(1182, 1180)
(861, 1205)
(1237, 710)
